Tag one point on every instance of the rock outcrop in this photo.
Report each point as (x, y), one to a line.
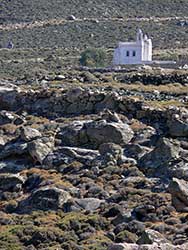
(11, 182)
(104, 132)
(99, 169)
(179, 191)
(40, 148)
(49, 198)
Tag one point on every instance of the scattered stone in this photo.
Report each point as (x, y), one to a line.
(2, 142)
(158, 162)
(49, 198)
(83, 155)
(7, 117)
(74, 94)
(89, 77)
(60, 78)
(12, 149)
(71, 134)
(177, 127)
(179, 191)
(89, 204)
(28, 134)
(99, 132)
(40, 148)
(110, 148)
(14, 165)
(150, 236)
(11, 182)
(71, 18)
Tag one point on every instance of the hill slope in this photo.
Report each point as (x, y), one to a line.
(23, 11)
(42, 24)
(107, 22)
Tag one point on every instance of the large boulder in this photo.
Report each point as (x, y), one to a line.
(11, 182)
(136, 151)
(110, 148)
(112, 154)
(178, 123)
(7, 117)
(14, 165)
(72, 134)
(150, 236)
(28, 133)
(80, 154)
(99, 132)
(40, 148)
(145, 136)
(179, 191)
(89, 204)
(178, 128)
(49, 198)
(95, 133)
(12, 149)
(159, 161)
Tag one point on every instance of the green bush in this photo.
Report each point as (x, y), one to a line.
(93, 58)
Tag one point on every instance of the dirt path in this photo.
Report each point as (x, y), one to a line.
(51, 22)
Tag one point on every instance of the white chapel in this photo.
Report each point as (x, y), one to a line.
(138, 52)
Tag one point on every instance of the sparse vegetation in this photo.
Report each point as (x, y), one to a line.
(93, 58)
(42, 10)
(87, 154)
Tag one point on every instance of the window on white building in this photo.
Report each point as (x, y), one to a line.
(134, 53)
(127, 53)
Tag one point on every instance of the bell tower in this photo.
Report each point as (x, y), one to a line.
(140, 35)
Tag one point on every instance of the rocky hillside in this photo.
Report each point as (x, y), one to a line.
(79, 24)
(92, 159)
(49, 36)
(93, 166)
(25, 11)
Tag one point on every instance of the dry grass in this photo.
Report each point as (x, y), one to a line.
(9, 128)
(36, 121)
(48, 219)
(54, 178)
(97, 238)
(166, 104)
(174, 88)
(169, 88)
(137, 125)
(171, 54)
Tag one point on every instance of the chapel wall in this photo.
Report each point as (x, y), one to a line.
(138, 52)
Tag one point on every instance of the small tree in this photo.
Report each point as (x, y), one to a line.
(93, 58)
